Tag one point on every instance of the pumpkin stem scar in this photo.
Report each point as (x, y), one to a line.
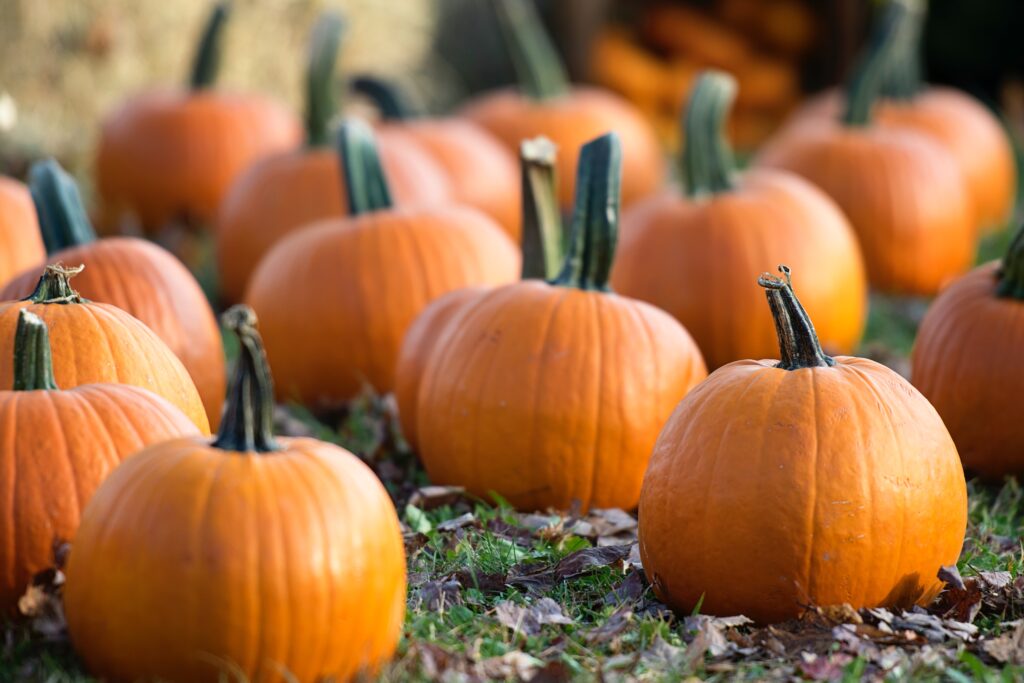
(1010, 276)
(206, 63)
(798, 342)
(33, 362)
(63, 221)
(388, 98)
(539, 69)
(904, 77)
(248, 424)
(595, 221)
(886, 41)
(321, 100)
(707, 162)
(542, 218)
(54, 287)
(366, 186)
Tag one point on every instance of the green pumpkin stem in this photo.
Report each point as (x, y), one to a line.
(33, 362)
(595, 220)
(321, 100)
(54, 287)
(865, 85)
(63, 221)
(539, 69)
(904, 79)
(387, 97)
(798, 342)
(248, 423)
(708, 164)
(542, 217)
(1010, 276)
(206, 63)
(366, 186)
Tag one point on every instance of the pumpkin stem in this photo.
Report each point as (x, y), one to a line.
(1010, 275)
(366, 186)
(595, 220)
(248, 424)
(387, 97)
(321, 101)
(865, 85)
(63, 221)
(542, 218)
(798, 342)
(904, 79)
(207, 60)
(33, 362)
(708, 164)
(54, 287)
(539, 69)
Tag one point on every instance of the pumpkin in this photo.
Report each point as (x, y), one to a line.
(135, 275)
(99, 343)
(20, 243)
(289, 190)
(252, 557)
(965, 362)
(542, 258)
(902, 191)
(690, 253)
(57, 448)
(337, 297)
(172, 154)
(834, 473)
(546, 104)
(552, 393)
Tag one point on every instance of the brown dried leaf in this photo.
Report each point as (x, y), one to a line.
(437, 595)
(432, 497)
(629, 591)
(824, 668)
(529, 620)
(514, 665)
(1007, 648)
(614, 625)
(459, 522)
(588, 559)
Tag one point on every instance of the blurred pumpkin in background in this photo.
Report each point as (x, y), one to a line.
(21, 245)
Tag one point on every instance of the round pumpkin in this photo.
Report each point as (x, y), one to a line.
(254, 557)
(172, 154)
(690, 253)
(834, 473)
(99, 343)
(20, 243)
(552, 393)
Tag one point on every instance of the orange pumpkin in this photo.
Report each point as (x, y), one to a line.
(551, 393)
(292, 189)
(835, 473)
(172, 154)
(99, 343)
(252, 557)
(20, 243)
(691, 253)
(546, 104)
(362, 280)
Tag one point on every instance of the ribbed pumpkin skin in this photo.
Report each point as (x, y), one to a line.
(168, 154)
(284, 193)
(152, 285)
(841, 481)
(285, 561)
(98, 343)
(966, 361)
(551, 394)
(57, 447)
(335, 300)
(902, 192)
(694, 258)
(570, 121)
(21, 246)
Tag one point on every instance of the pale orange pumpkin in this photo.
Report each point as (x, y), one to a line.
(20, 243)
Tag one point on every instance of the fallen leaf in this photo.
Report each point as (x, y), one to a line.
(457, 523)
(630, 590)
(1007, 648)
(432, 497)
(488, 582)
(435, 596)
(824, 667)
(588, 559)
(612, 627)
(514, 665)
(529, 620)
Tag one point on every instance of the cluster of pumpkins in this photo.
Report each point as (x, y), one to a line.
(389, 260)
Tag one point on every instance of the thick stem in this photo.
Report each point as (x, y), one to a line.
(1010, 276)
(387, 97)
(366, 186)
(865, 85)
(542, 217)
(538, 66)
(206, 63)
(54, 287)
(904, 78)
(63, 221)
(248, 423)
(321, 100)
(595, 220)
(707, 162)
(33, 362)
(798, 342)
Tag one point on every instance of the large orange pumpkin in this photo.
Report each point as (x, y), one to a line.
(57, 447)
(691, 253)
(99, 343)
(172, 154)
(252, 557)
(834, 473)
(551, 393)
(337, 297)
(20, 243)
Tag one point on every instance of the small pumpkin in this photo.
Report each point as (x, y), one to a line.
(551, 393)
(835, 473)
(135, 275)
(547, 104)
(337, 297)
(293, 188)
(264, 558)
(690, 253)
(99, 343)
(20, 243)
